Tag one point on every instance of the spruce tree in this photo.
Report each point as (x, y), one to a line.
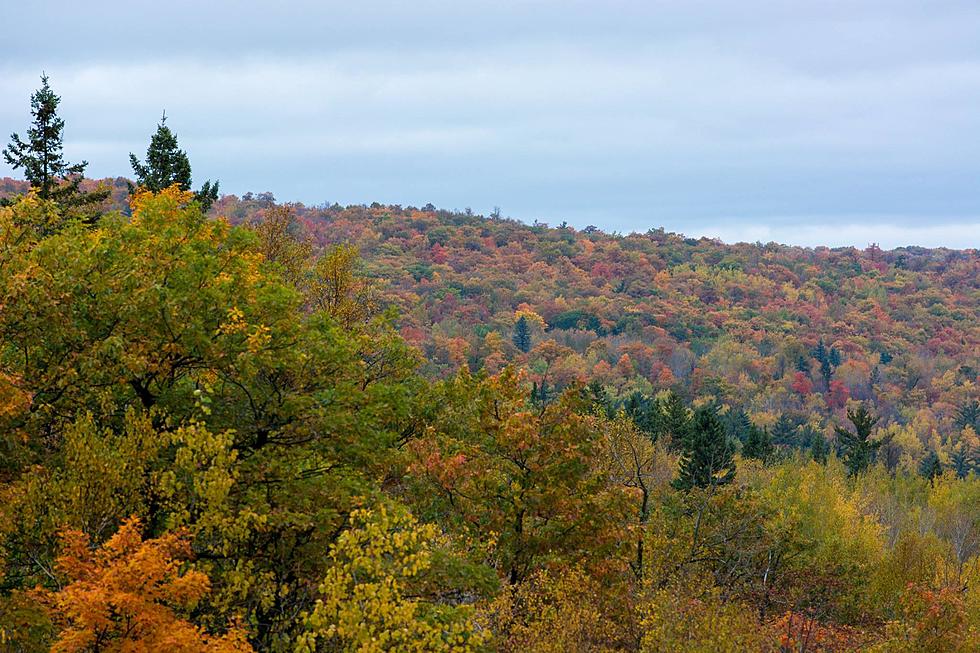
(961, 460)
(166, 164)
(819, 450)
(42, 159)
(931, 467)
(784, 432)
(738, 424)
(758, 444)
(522, 335)
(858, 448)
(674, 420)
(708, 459)
(968, 414)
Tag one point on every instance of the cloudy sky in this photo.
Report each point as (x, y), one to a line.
(818, 122)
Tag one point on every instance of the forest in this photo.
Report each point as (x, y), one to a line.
(231, 424)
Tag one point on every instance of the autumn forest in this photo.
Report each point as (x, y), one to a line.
(234, 424)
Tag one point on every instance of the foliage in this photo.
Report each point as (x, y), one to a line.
(41, 158)
(166, 165)
(365, 602)
(129, 596)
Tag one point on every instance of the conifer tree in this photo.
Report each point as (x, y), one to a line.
(522, 335)
(858, 448)
(674, 420)
(784, 431)
(819, 449)
(166, 164)
(758, 444)
(41, 157)
(931, 467)
(962, 460)
(708, 458)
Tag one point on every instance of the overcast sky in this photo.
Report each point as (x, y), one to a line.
(816, 122)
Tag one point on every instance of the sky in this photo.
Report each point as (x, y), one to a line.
(826, 122)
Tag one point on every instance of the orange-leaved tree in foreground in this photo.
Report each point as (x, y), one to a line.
(132, 595)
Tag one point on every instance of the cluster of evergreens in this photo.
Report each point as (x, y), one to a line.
(222, 438)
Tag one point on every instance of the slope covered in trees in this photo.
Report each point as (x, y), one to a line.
(786, 335)
(274, 428)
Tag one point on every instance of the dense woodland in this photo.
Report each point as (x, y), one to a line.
(229, 424)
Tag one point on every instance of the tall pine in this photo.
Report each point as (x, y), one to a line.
(522, 334)
(708, 458)
(857, 447)
(166, 164)
(41, 157)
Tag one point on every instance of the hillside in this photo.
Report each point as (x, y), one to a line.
(641, 313)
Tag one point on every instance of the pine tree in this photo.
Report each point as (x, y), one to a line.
(166, 164)
(738, 424)
(969, 415)
(931, 467)
(758, 444)
(673, 421)
(42, 159)
(962, 461)
(857, 447)
(784, 431)
(522, 335)
(819, 450)
(708, 459)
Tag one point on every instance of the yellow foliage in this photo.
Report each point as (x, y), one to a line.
(365, 604)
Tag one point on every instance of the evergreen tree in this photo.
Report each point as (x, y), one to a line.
(598, 398)
(962, 461)
(931, 467)
(644, 412)
(819, 450)
(166, 164)
(834, 357)
(784, 431)
(708, 459)
(826, 361)
(969, 415)
(42, 160)
(758, 444)
(673, 420)
(802, 364)
(522, 335)
(858, 448)
(738, 424)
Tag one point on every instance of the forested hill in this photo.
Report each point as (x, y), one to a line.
(783, 336)
(786, 334)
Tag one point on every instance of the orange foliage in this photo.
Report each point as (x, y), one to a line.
(129, 596)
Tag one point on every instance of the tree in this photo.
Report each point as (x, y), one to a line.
(819, 449)
(758, 444)
(489, 461)
(674, 420)
(930, 466)
(968, 414)
(42, 160)
(370, 598)
(166, 164)
(858, 448)
(708, 455)
(132, 595)
(522, 334)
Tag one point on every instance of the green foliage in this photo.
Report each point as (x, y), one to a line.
(707, 458)
(166, 164)
(40, 157)
(857, 447)
(758, 444)
(522, 335)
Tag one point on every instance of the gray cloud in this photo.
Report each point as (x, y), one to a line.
(750, 121)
